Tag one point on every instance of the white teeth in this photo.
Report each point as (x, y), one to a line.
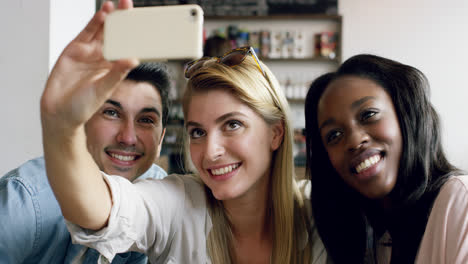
(224, 170)
(367, 163)
(122, 158)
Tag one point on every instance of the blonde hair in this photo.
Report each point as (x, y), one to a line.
(263, 95)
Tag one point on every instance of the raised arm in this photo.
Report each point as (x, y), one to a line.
(78, 85)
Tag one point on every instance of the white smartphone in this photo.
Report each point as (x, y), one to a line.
(157, 33)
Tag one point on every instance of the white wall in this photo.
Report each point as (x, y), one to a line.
(23, 67)
(29, 47)
(67, 19)
(431, 35)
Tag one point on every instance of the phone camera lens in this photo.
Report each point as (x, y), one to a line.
(193, 12)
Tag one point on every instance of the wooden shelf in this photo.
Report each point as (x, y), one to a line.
(254, 21)
(180, 123)
(336, 18)
(310, 59)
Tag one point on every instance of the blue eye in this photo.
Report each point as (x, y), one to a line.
(196, 133)
(233, 125)
(111, 112)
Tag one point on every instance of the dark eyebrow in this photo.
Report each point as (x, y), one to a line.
(354, 105)
(359, 102)
(151, 110)
(218, 120)
(114, 103)
(144, 110)
(326, 123)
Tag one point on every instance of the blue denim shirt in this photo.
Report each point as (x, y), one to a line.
(32, 228)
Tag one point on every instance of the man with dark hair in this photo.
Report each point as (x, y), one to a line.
(124, 138)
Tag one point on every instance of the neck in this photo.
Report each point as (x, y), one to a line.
(387, 205)
(250, 214)
(251, 226)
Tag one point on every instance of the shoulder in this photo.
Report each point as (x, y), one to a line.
(189, 181)
(451, 204)
(189, 186)
(190, 191)
(455, 190)
(457, 184)
(154, 172)
(446, 229)
(305, 211)
(27, 203)
(21, 193)
(310, 234)
(305, 188)
(176, 188)
(30, 176)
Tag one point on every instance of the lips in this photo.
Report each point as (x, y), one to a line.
(123, 158)
(224, 172)
(366, 160)
(364, 165)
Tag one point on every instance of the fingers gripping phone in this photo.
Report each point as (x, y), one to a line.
(157, 33)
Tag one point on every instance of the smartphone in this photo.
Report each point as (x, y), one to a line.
(157, 33)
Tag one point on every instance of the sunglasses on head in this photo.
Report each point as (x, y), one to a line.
(231, 58)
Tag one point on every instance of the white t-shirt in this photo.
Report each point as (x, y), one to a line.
(166, 219)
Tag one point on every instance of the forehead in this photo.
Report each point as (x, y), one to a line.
(214, 103)
(346, 90)
(137, 95)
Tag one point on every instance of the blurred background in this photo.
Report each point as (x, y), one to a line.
(297, 39)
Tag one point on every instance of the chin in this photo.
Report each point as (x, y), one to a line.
(128, 174)
(375, 194)
(223, 195)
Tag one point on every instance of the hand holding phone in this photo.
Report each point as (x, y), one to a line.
(158, 33)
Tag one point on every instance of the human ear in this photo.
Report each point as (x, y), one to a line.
(278, 134)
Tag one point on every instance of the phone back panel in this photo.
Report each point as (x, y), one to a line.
(157, 33)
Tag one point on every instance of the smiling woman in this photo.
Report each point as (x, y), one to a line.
(382, 189)
(240, 142)
(352, 113)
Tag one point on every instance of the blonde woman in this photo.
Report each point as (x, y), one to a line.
(242, 205)
(261, 213)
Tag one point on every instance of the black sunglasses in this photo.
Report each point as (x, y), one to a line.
(230, 58)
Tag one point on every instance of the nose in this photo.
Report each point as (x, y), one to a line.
(127, 134)
(356, 139)
(214, 148)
